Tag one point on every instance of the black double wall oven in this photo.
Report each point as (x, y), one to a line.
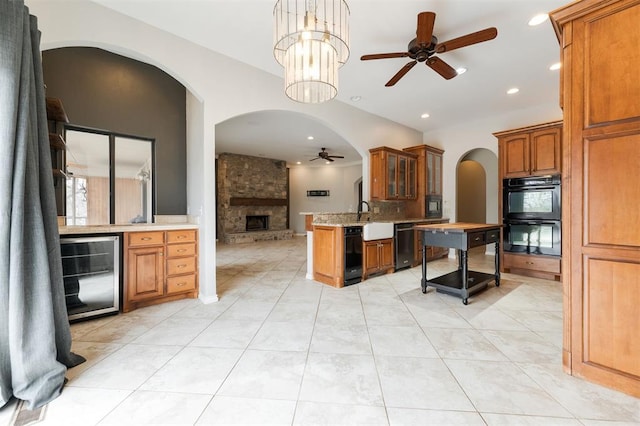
(532, 215)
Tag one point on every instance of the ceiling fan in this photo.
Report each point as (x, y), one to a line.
(425, 45)
(325, 155)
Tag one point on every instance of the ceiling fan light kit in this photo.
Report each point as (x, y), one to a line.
(425, 46)
(311, 42)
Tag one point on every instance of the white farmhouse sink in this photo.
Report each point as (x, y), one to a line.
(377, 231)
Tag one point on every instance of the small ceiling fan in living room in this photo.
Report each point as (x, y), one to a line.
(324, 155)
(425, 46)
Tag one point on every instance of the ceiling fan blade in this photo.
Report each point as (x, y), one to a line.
(425, 28)
(384, 56)
(329, 159)
(336, 156)
(467, 40)
(314, 159)
(441, 67)
(400, 73)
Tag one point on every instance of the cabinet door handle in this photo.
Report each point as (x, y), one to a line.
(477, 239)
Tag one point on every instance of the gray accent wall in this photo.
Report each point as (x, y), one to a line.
(103, 90)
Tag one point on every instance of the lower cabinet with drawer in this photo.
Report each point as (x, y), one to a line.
(547, 267)
(159, 266)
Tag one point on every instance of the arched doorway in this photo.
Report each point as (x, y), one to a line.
(477, 188)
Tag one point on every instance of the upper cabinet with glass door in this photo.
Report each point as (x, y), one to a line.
(434, 171)
(110, 178)
(393, 174)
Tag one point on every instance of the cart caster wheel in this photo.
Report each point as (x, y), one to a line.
(465, 301)
(424, 291)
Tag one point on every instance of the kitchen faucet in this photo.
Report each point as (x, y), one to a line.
(360, 209)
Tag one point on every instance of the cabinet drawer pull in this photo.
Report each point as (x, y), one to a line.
(530, 263)
(146, 238)
(477, 239)
(184, 265)
(182, 237)
(181, 250)
(181, 284)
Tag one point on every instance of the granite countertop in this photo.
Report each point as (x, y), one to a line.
(394, 221)
(134, 227)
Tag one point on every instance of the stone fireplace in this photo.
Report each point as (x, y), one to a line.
(257, 223)
(252, 199)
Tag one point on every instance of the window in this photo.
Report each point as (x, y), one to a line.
(110, 178)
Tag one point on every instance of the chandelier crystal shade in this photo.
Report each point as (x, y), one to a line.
(311, 43)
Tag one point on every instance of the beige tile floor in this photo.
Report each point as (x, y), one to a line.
(280, 349)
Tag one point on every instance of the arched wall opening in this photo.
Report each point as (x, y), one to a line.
(477, 188)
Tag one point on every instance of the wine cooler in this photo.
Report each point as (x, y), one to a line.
(91, 271)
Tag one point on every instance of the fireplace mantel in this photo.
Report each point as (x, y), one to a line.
(240, 201)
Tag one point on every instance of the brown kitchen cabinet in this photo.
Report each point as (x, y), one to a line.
(393, 174)
(539, 266)
(328, 255)
(159, 266)
(598, 41)
(377, 257)
(428, 177)
(434, 170)
(530, 151)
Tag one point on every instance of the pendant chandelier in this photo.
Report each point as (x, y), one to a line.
(311, 43)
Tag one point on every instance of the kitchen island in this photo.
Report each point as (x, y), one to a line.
(460, 236)
(327, 246)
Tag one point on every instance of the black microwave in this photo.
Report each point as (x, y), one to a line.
(433, 206)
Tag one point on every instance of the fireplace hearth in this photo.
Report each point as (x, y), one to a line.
(257, 223)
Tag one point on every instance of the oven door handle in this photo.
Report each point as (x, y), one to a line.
(525, 187)
(532, 222)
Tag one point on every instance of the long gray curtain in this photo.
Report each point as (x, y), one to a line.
(35, 339)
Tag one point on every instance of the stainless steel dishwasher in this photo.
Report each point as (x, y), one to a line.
(404, 245)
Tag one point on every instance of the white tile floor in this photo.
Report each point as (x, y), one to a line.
(280, 349)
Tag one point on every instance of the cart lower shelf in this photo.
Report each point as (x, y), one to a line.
(452, 283)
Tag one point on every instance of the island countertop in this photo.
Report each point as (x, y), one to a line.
(134, 227)
(394, 221)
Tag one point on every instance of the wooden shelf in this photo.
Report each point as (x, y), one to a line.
(57, 173)
(56, 142)
(55, 110)
(240, 201)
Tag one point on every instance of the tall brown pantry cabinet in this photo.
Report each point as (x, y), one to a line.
(600, 90)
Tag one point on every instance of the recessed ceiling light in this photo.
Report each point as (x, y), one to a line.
(555, 66)
(425, 115)
(327, 162)
(298, 162)
(356, 98)
(513, 90)
(461, 70)
(538, 19)
(310, 138)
